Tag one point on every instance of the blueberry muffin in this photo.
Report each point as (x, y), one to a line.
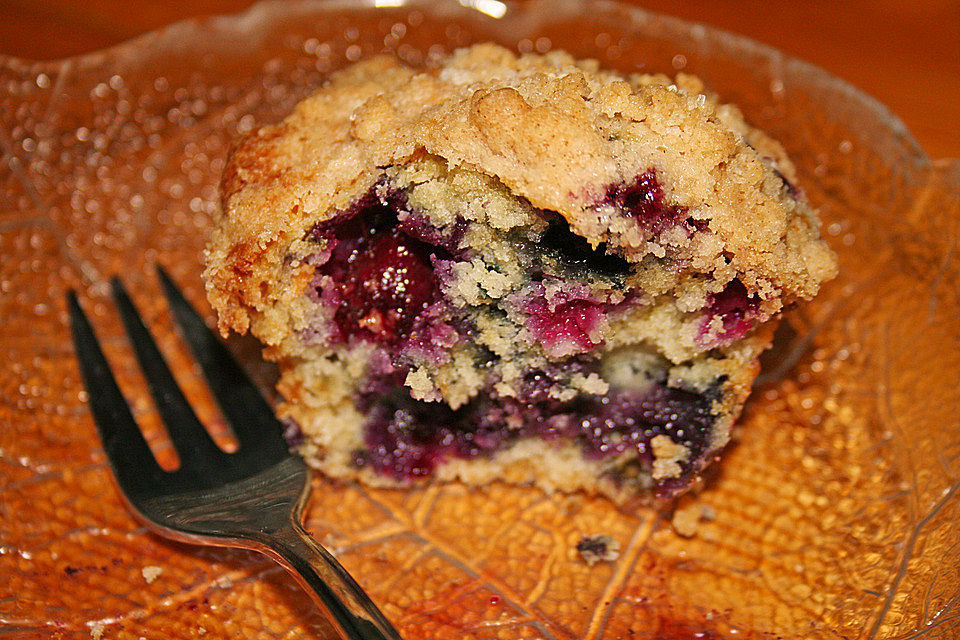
(517, 268)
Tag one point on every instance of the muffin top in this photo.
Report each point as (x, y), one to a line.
(560, 133)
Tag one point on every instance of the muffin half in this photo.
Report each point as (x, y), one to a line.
(517, 268)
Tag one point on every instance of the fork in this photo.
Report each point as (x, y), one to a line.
(252, 498)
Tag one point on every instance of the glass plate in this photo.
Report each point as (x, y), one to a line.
(835, 516)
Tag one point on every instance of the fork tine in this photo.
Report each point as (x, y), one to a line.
(193, 444)
(251, 417)
(132, 460)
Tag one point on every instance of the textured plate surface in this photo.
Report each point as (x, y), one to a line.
(835, 516)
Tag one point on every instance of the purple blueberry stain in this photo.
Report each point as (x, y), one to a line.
(432, 337)
(737, 310)
(564, 317)
(388, 283)
(292, 433)
(565, 329)
(629, 421)
(374, 273)
(382, 375)
(418, 226)
(406, 439)
(367, 204)
(643, 200)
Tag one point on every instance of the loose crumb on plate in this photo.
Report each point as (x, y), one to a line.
(151, 573)
(597, 548)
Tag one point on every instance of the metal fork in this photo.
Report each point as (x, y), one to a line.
(252, 498)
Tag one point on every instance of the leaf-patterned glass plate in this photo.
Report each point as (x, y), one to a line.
(835, 516)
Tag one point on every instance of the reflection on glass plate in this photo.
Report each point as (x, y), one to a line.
(836, 514)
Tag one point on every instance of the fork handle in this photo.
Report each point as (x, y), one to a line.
(354, 615)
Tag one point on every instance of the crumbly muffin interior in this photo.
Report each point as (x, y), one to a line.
(479, 320)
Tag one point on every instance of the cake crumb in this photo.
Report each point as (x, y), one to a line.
(421, 386)
(667, 457)
(591, 384)
(96, 630)
(663, 469)
(664, 447)
(596, 548)
(687, 517)
(151, 573)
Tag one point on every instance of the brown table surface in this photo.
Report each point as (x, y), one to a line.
(906, 53)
